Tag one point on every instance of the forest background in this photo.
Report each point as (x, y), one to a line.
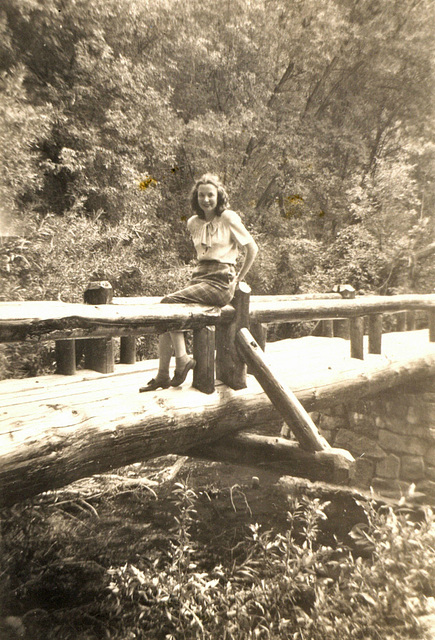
(318, 115)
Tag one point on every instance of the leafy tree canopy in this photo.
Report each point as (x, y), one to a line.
(317, 115)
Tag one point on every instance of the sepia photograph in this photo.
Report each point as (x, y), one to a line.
(217, 320)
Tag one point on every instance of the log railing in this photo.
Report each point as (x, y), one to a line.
(92, 325)
(57, 442)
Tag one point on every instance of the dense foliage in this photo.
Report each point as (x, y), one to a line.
(71, 574)
(285, 585)
(317, 115)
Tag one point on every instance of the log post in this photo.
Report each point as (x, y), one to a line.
(431, 315)
(259, 331)
(99, 351)
(357, 337)
(375, 333)
(203, 348)
(342, 329)
(127, 350)
(327, 328)
(66, 357)
(411, 320)
(282, 398)
(401, 321)
(230, 367)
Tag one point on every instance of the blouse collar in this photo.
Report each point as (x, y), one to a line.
(208, 230)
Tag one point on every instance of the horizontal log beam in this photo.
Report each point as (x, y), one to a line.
(304, 310)
(48, 320)
(135, 316)
(282, 455)
(277, 298)
(54, 321)
(57, 429)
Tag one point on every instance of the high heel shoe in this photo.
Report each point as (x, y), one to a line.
(180, 376)
(154, 384)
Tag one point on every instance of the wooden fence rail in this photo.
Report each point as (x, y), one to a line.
(130, 317)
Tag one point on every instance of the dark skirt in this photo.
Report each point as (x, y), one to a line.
(209, 285)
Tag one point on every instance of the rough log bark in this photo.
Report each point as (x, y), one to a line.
(432, 325)
(57, 429)
(327, 328)
(230, 367)
(66, 357)
(253, 299)
(127, 350)
(203, 350)
(357, 338)
(283, 456)
(99, 353)
(375, 333)
(20, 321)
(56, 320)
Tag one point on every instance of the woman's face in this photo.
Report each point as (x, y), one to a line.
(207, 197)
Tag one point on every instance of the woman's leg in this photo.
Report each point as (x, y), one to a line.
(162, 378)
(165, 355)
(183, 362)
(179, 344)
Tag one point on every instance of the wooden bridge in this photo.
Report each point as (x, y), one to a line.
(58, 428)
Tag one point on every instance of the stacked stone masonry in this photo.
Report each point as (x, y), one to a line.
(392, 437)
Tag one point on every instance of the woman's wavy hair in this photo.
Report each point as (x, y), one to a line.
(222, 197)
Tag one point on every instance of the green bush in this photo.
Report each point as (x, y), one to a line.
(283, 585)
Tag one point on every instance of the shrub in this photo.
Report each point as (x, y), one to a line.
(284, 585)
(54, 258)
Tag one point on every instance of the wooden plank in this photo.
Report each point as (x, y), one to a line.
(284, 400)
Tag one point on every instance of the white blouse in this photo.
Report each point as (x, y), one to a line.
(220, 238)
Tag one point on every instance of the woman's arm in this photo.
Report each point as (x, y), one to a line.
(251, 250)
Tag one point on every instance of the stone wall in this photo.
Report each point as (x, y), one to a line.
(392, 437)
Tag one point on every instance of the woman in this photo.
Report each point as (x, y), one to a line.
(217, 233)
